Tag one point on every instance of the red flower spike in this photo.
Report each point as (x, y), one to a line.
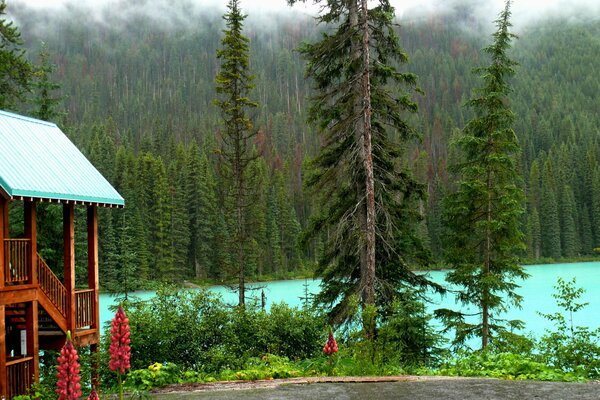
(331, 345)
(68, 386)
(120, 351)
(93, 395)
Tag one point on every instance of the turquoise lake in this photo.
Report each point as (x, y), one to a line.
(536, 291)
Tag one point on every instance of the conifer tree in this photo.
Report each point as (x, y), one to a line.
(549, 216)
(367, 198)
(233, 85)
(483, 215)
(15, 70)
(46, 101)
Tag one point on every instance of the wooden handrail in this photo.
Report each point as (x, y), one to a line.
(85, 311)
(16, 257)
(52, 286)
(19, 374)
(18, 360)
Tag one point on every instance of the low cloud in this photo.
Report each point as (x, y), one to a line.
(263, 12)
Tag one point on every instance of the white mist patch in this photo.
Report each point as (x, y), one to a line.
(182, 12)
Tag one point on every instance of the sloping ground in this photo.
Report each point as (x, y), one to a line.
(383, 388)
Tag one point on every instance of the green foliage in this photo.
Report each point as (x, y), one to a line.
(196, 331)
(337, 176)
(46, 101)
(406, 337)
(483, 216)
(569, 347)
(236, 154)
(15, 71)
(504, 366)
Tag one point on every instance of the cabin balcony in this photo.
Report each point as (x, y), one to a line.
(21, 284)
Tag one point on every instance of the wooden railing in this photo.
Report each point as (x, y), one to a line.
(85, 309)
(52, 286)
(16, 260)
(19, 373)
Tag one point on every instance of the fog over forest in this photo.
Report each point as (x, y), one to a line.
(182, 13)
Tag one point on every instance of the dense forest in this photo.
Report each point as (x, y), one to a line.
(138, 97)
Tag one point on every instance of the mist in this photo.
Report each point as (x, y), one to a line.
(524, 12)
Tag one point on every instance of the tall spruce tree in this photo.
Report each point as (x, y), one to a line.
(233, 85)
(483, 215)
(46, 101)
(15, 70)
(368, 199)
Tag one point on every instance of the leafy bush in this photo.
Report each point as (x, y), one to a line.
(503, 365)
(570, 348)
(197, 331)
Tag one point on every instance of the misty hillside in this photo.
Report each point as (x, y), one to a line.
(136, 87)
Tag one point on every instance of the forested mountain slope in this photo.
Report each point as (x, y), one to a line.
(139, 94)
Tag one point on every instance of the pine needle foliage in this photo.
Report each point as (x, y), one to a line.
(233, 86)
(483, 215)
(337, 65)
(15, 71)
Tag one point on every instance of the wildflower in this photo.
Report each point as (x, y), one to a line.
(68, 386)
(120, 351)
(93, 395)
(331, 345)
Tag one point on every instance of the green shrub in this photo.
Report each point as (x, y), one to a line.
(569, 347)
(197, 331)
(503, 365)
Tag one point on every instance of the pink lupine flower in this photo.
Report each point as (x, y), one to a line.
(68, 386)
(331, 345)
(120, 351)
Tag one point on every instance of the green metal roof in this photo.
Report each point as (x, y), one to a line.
(37, 160)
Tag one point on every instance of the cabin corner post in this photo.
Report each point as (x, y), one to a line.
(3, 370)
(93, 269)
(33, 346)
(93, 283)
(69, 262)
(3, 235)
(31, 234)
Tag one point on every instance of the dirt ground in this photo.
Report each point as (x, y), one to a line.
(382, 388)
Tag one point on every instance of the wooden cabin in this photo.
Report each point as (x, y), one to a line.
(38, 163)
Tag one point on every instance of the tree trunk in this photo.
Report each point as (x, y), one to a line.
(485, 323)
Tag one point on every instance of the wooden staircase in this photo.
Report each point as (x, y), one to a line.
(60, 311)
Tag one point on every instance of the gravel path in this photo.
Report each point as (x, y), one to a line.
(383, 388)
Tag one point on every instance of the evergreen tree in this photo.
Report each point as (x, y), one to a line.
(568, 218)
(180, 221)
(534, 239)
(45, 102)
(359, 169)
(233, 85)
(549, 216)
(483, 215)
(15, 71)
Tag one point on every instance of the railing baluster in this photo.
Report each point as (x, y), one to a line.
(19, 376)
(52, 286)
(85, 307)
(16, 260)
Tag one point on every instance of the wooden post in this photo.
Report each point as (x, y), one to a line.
(31, 312)
(3, 372)
(69, 263)
(3, 235)
(93, 280)
(33, 346)
(4, 209)
(93, 283)
(31, 234)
